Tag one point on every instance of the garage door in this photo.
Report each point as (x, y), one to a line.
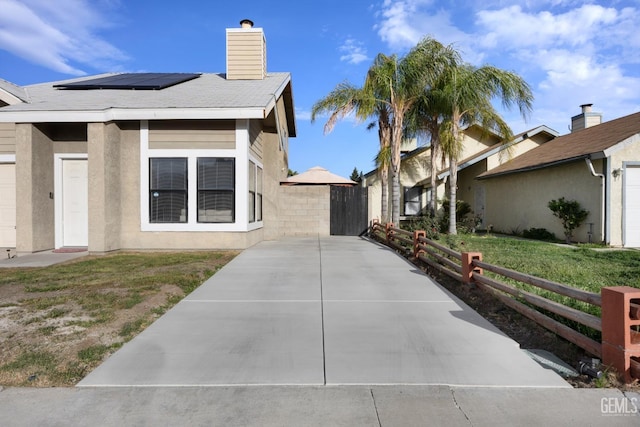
(7, 205)
(632, 207)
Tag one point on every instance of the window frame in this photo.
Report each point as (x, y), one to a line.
(240, 152)
(155, 191)
(218, 190)
(415, 200)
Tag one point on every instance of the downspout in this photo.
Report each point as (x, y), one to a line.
(604, 205)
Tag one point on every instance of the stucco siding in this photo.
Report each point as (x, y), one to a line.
(471, 190)
(7, 138)
(275, 172)
(105, 185)
(519, 201)
(35, 190)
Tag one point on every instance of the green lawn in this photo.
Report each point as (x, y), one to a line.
(583, 267)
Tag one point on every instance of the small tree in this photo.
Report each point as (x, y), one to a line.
(570, 213)
(355, 175)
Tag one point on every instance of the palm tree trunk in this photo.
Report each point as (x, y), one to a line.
(433, 179)
(453, 193)
(396, 149)
(384, 177)
(395, 195)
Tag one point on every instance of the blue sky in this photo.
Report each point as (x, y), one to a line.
(570, 52)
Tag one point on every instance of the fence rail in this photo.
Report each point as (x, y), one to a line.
(468, 267)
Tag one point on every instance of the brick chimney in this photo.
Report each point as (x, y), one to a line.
(246, 52)
(586, 119)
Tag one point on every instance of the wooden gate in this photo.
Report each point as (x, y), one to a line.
(348, 211)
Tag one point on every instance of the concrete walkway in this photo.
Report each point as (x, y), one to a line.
(321, 311)
(37, 259)
(320, 332)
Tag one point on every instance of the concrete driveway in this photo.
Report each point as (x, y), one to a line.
(321, 311)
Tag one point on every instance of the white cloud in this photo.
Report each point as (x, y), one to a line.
(354, 52)
(57, 35)
(515, 28)
(404, 23)
(570, 52)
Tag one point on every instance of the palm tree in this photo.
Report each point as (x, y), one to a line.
(426, 115)
(468, 91)
(425, 119)
(348, 99)
(399, 83)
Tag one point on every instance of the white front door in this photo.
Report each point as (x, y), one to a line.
(7, 205)
(632, 207)
(75, 203)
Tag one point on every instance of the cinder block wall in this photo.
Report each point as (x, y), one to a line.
(303, 210)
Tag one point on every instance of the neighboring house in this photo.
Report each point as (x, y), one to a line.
(597, 164)
(482, 151)
(318, 176)
(147, 161)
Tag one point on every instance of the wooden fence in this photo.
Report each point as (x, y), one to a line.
(620, 346)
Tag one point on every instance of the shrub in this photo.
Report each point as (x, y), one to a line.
(539, 234)
(462, 210)
(427, 223)
(570, 213)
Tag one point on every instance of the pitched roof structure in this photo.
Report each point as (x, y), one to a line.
(593, 142)
(317, 176)
(209, 96)
(11, 93)
(497, 148)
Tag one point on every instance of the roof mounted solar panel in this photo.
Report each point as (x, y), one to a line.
(139, 81)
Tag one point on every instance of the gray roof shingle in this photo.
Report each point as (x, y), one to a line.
(207, 91)
(592, 141)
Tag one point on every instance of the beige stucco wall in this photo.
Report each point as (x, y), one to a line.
(471, 190)
(132, 238)
(416, 170)
(304, 210)
(34, 185)
(519, 201)
(104, 186)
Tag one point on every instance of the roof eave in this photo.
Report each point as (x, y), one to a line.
(113, 114)
(594, 156)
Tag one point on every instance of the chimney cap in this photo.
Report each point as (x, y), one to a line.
(586, 108)
(246, 23)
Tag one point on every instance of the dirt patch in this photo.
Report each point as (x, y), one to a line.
(528, 333)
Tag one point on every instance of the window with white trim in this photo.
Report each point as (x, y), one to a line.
(216, 190)
(259, 193)
(168, 190)
(255, 192)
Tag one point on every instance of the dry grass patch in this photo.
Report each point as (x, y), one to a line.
(58, 323)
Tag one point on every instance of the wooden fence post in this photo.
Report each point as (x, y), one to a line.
(388, 231)
(416, 236)
(467, 266)
(619, 341)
